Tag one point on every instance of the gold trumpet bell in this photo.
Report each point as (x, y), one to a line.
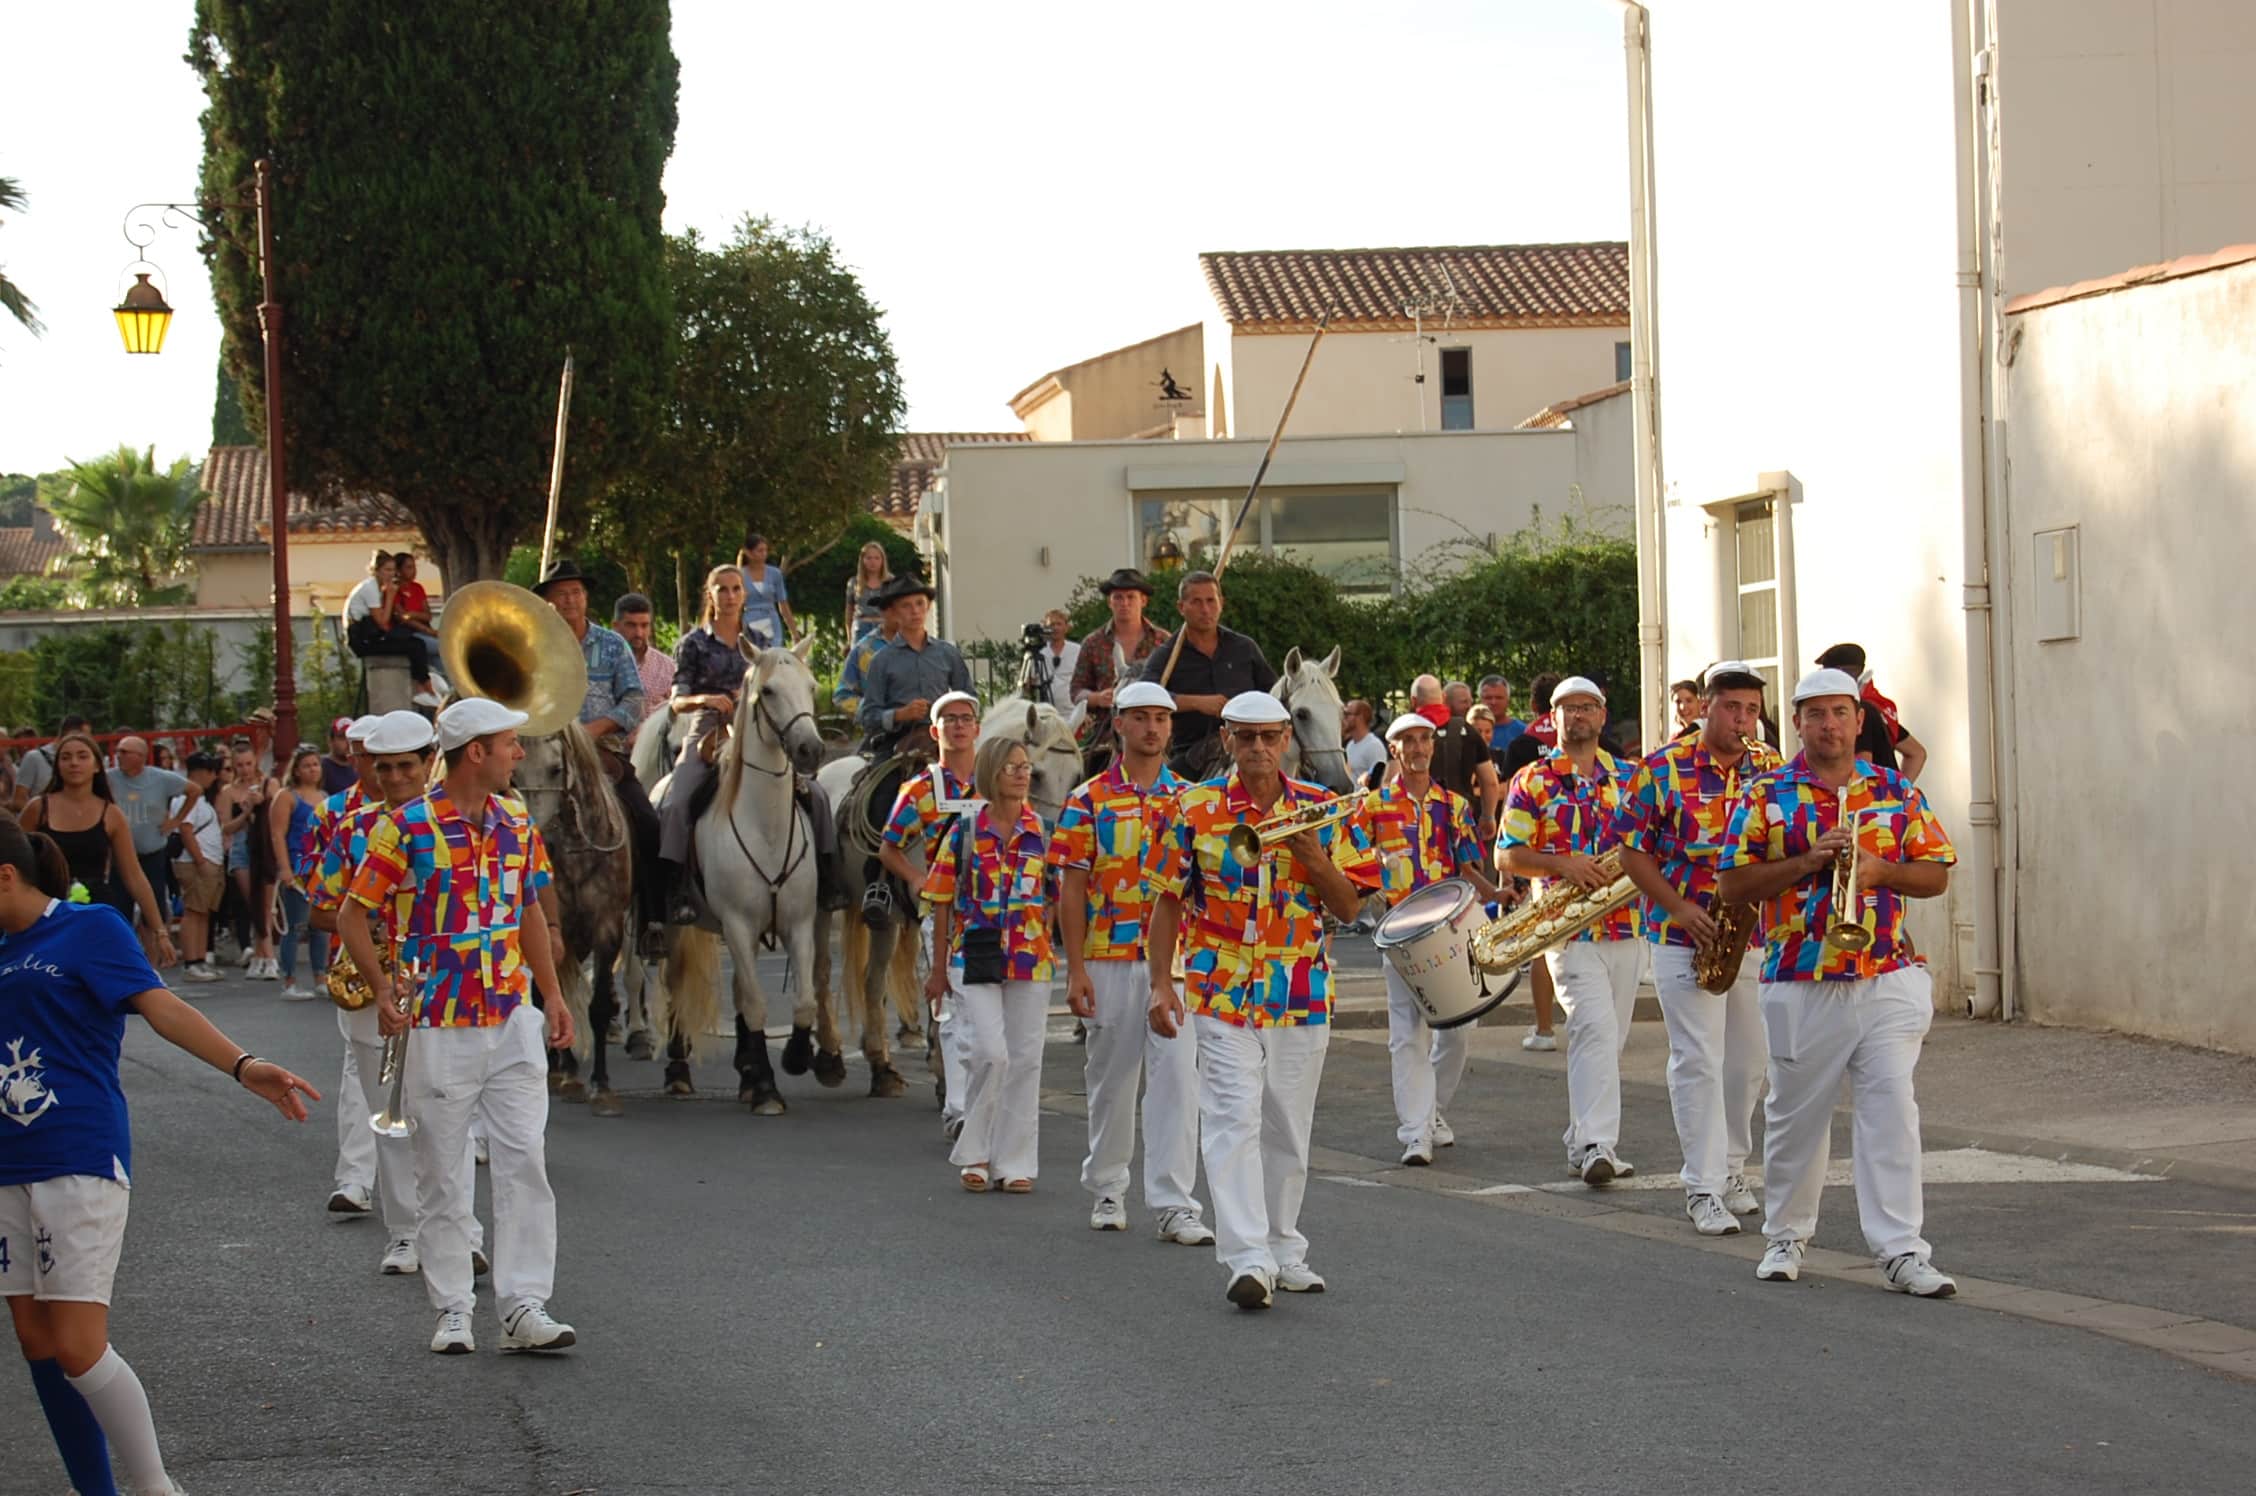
(1246, 843)
(501, 641)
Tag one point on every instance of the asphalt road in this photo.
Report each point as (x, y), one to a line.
(809, 1304)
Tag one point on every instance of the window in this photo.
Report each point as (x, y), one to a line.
(1347, 535)
(1755, 538)
(1621, 362)
(1456, 389)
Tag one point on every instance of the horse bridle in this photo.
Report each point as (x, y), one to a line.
(795, 847)
(1307, 752)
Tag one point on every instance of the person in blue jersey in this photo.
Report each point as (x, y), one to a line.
(69, 973)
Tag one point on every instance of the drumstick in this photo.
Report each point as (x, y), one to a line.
(1175, 650)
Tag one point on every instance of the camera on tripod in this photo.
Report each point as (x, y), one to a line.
(1033, 639)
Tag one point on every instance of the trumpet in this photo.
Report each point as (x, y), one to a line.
(393, 1121)
(1248, 842)
(1851, 926)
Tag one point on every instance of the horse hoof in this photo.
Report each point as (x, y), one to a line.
(677, 1080)
(555, 1082)
(887, 1081)
(830, 1067)
(764, 1100)
(798, 1051)
(571, 1088)
(640, 1045)
(909, 1038)
(605, 1103)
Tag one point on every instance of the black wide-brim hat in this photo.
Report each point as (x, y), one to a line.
(564, 569)
(1126, 579)
(900, 587)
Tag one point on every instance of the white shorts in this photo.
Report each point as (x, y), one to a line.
(60, 1238)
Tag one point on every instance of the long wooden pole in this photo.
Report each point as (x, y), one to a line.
(1222, 561)
(556, 467)
(277, 472)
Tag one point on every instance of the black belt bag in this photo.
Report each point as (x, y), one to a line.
(983, 958)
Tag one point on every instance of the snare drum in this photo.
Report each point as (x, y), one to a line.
(1428, 939)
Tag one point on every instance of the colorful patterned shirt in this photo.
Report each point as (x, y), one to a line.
(330, 814)
(1677, 809)
(1253, 934)
(1780, 815)
(1011, 889)
(341, 856)
(917, 812)
(1554, 810)
(1419, 840)
(471, 888)
(1092, 671)
(1105, 826)
(656, 667)
(614, 685)
(848, 695)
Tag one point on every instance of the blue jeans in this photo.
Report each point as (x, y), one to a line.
(294, 911)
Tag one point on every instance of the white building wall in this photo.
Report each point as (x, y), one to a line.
(2128, 424)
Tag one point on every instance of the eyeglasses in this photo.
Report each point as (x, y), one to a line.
(958, 719)
(1267, 738)
(1580, 708)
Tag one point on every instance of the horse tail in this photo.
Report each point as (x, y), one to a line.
(693, 981)
(649, 753)
(854, 959)
(907, 991)
(571, 975)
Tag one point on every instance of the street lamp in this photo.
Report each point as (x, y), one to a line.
(142, 320)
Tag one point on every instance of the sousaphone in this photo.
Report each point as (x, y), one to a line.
(501, 641)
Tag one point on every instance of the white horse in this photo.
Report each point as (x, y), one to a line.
(755, 847)
(1318, 751)
(1050, 742)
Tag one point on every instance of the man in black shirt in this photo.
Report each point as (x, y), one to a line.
(1462, 763)
(1881, 738)
(1213, 665)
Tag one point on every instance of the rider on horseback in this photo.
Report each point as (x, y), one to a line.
(909, 674)
(1212, 665)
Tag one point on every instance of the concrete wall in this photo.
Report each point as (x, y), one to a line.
(321, 570)
(1808, 325)
(2125, 130)
(1116, 394)
(1365, 381)
(1004, 506)
(2129, 423)
(1606, 456)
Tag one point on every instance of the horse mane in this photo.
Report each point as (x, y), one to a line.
(649, 756)
(582, 767)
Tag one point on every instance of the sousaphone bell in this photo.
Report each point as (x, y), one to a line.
(501, 641)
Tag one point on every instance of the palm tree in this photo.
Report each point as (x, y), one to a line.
(12, 298)
(129, 523)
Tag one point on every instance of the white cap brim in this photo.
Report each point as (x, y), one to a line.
(362, 727)
(400, 732)
(1577, 685)
(1256, 709)
(1405, 723)
(950, 698)
(1825, 683)
(1142, 693)
(476, 717)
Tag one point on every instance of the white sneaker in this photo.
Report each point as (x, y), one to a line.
(1913, 1274)
(1599, 1166)
(479, 1266)
(1543, 1042)
(198, 971)
(245, 957)
(1738, 1197)
(1781, 1261)
(1110, 1215)
(1418, 1154)
(264, 969)
(293, 993)
(1251, 1290)
(1444, 1135)
(1708, 1216)
(352, 1200)
(528, 1326)
(401, 1260)
(1300, 1278)
(454, 1337)
(951, 1128)
(1184, 1228)
(479, 1152)
(1623, 1168)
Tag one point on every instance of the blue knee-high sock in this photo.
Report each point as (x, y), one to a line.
(78, 1434)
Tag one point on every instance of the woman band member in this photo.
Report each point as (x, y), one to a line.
(990, 892)
(68, 976)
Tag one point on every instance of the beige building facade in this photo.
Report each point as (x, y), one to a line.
(1123, 393)
(330, 548)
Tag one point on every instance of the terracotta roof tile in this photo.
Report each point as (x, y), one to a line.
(236, 516)
(919, 458)
(1496, 285)
(24, 552)
(1551, 417)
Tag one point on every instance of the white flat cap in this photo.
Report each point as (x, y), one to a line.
(1405, 723)
(475, 717)
(1825, 683)
(950, 698)
(1142, 693)
(1256, 709)
(362, 727)
(1577, 685)
(1721, 668)
(400, 732)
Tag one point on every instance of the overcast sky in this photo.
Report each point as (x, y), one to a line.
(1020, 186)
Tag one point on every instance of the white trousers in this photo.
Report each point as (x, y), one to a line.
(395, 1157)
(1596, 982)
(1715, 1071)
(1003, 1074)
(1421, 1057)
(1869, 1032)
(502, 1070)
(356, 1141)
(1122, 1050)
(955, 1047)
(1257, 1099)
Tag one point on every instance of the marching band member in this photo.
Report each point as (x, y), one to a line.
(1831, 1011)
(1559, 817)
(1423, 834)
(990, 892)
(922, 812)
(399, 746)
(356, 1144)
(1099, 847)
(477, 866)
(69, 974)
(1671, 828)
(1259, 980)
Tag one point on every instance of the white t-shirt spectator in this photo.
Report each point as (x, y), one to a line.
(361, 602)
(1062, 660)
(36, 771)
(1365, 754)
(203, 824)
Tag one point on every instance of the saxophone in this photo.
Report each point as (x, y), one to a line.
(1716, 961)
(347, 988)
(1560, 913)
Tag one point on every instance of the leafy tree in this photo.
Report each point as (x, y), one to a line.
(129, 524)
(12, 298)
(818, 581)
(463, 190)
(784, 407)
(229, 429)
(34, 594)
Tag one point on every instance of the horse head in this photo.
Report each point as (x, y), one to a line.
(777, 706)
(1049, 738)
(1305, 687)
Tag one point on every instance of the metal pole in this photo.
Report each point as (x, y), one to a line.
(556, 465)
(278, 484)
